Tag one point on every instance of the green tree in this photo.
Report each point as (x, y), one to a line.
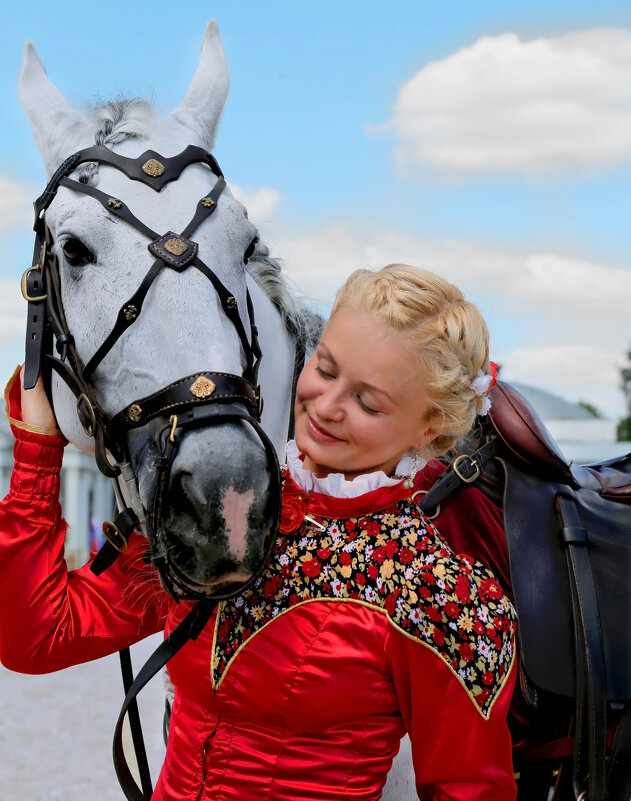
(589, 407)
(624, 430)
(624, 426)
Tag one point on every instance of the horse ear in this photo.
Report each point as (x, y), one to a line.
(55, 123)
(203, 102)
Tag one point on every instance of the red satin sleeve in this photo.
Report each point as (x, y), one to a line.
(51, 618)
(458, 755)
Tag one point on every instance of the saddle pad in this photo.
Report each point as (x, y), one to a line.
(541, 584)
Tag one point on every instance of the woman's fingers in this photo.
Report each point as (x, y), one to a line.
(36, 410)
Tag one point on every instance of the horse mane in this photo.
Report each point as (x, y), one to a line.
(298, 318)
(131, 118)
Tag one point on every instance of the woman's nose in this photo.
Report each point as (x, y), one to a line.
(329, 405)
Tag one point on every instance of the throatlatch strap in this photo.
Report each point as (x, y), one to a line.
(35, 291)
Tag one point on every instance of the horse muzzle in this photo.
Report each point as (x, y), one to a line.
(215, 505)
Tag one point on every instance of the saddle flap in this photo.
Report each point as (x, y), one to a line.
(541, 584)
(525, 436)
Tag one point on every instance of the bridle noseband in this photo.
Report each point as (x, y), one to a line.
(203, 398)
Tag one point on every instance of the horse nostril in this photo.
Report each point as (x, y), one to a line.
(192, 516)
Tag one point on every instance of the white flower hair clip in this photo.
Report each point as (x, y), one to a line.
(481, 385)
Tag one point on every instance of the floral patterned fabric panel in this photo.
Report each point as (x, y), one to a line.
(395, 562)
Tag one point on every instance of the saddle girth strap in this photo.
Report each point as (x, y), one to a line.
(591, 704)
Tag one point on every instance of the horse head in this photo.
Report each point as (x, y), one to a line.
(116, 234)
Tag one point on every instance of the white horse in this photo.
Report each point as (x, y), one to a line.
(216, 496)
(216, 516)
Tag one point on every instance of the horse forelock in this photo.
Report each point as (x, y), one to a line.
(121, 118)
(116, 121)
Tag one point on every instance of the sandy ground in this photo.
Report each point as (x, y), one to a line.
(56, 730)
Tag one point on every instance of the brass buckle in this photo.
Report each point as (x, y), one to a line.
(24, 286)
(428, 516)
(115, 536)
(474, 466)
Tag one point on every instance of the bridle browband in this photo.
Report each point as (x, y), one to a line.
(203, 398)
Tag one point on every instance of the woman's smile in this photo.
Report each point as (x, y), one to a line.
(319, 433)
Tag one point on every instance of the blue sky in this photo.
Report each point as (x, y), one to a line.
(353, 144)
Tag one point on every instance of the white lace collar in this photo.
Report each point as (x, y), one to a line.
(335, 484)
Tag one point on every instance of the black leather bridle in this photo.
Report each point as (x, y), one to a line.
(201, 399)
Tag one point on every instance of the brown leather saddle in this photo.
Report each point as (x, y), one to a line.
(568, 530)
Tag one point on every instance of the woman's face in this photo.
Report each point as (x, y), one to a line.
(360, 401)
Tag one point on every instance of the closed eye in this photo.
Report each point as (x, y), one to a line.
(360, 402)
(323, 373)
(76, 253)
(367, 409)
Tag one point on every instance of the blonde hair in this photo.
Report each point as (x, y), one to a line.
(447, 336)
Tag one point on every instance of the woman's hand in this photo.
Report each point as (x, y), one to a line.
(36, 410)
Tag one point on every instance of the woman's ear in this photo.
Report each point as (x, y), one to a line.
(429, 428)
(428, 435)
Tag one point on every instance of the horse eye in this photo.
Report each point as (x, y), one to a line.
(76, 253)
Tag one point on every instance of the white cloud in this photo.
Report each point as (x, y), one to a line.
(260, 203)
(556, 322)
(16, 203)
(504, 104)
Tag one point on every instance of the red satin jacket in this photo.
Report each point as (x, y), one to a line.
(301, 688)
